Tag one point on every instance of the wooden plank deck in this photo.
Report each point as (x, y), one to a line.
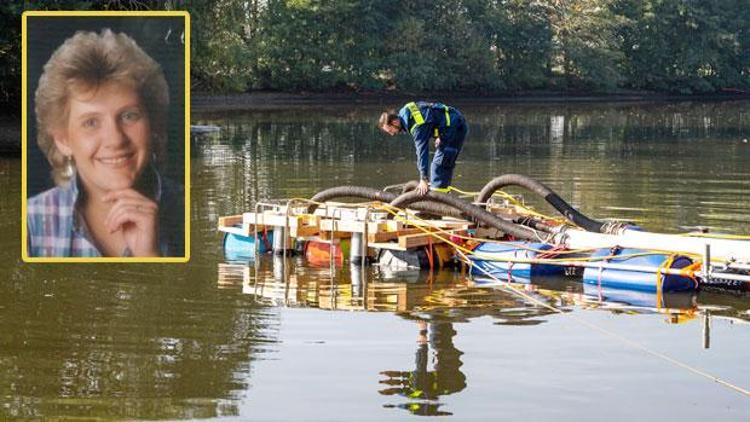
(340, 221)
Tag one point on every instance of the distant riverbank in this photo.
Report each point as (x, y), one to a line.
(205, 102)
(10, 126)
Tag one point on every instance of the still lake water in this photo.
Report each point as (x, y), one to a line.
(211, 338)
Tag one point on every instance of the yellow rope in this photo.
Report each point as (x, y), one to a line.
(390, 209)
(717, 236)
(462, 251)
(395, 211)
(310, 201)
(522, 206)
(419, 223)
(660, 278)
(506, 286)
(510, 198)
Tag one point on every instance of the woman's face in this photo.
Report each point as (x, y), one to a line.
(108, 134)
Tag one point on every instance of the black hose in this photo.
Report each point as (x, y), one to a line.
(404, 187)
(379, 195)
(534, 223)
(540, 189)
(351, 192)
(410, 185)
(478, 213)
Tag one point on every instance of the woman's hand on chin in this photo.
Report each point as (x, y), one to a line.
(138, 218)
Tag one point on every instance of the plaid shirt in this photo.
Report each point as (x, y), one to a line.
(56, 227)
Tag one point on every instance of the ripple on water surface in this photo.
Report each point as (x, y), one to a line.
(214, 338)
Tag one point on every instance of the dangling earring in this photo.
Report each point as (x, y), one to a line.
(68, 168)
(154, 140)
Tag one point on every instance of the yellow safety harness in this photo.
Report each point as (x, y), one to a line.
(418, 119)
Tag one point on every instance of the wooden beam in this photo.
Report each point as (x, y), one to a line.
(417, 240)
(230, 220)
(234, 224)
(280, 220)
(352, 226)
(242, 231)
(386, 245)
(304, 231)
(392, 235)
(326, 235)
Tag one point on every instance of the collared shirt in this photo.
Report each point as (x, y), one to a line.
(56, 227)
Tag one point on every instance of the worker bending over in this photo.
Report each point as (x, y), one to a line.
(425, 121)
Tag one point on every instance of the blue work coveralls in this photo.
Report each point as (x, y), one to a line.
(426, 121)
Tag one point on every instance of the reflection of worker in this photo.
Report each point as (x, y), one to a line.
(101, 109)
(424, 121)
(422, 384)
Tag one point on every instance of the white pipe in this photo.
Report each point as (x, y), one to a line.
(611, 266)
(729, 276)
(724, 249)
(582, 264)
(736, 266)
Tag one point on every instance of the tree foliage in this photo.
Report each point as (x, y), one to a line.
(223, 52)
(587, 45)
(481, 46)
(686, 46)
(490, 46)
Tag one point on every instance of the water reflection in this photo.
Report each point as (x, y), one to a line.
(154, 348)
(162, 341)
(668, 166)
(437, 372)
(293, 283)
(272, 281)
(120, 341)
(436, 302)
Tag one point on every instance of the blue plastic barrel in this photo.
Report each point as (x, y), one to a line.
(238, 247)
(484, 254)
(644, 281)
(672, 300)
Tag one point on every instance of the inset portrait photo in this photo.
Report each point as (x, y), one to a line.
(105, 137)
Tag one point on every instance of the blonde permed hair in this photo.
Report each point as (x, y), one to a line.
(86, 61)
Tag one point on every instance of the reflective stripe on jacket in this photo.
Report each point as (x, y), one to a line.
(425, 121)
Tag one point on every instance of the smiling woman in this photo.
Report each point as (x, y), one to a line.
(101, 118)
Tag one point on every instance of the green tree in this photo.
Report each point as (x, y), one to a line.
(440, 45)
(10, 44)
(687, 46)
(521, 37)
(587, 43)
(484, 46)
(10, 55)
(223, 53)
(321, 44)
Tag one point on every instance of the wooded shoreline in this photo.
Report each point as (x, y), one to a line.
(202, 102)
(266, 100)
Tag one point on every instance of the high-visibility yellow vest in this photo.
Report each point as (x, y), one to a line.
(418, 119)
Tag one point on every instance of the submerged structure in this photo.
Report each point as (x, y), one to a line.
(490, 234)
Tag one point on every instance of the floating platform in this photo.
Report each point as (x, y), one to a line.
(336, 233)
(510, 260)
(373, 230)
